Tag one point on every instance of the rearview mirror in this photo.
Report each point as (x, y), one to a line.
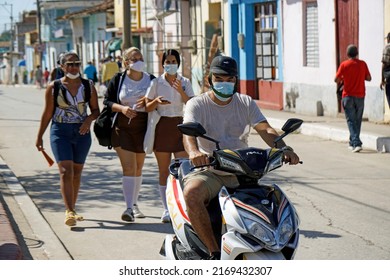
(292, 125)
(195, 129)
(192, 129)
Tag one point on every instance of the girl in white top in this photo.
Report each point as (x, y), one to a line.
(126, 97)
(168, 94)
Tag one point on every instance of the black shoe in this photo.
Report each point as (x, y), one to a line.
(216, 256)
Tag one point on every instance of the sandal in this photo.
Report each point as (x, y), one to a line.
(78, 217)
(70, 218)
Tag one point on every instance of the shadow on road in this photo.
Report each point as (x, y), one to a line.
(318, 234)
(137, 226)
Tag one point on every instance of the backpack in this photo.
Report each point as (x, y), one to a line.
(103, 124)
(59, 86)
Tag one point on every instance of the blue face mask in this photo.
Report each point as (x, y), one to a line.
(171, 69)
(223, 90)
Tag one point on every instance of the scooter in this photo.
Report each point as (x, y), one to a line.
(251, 222)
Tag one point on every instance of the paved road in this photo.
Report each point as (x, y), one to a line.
(342, 198)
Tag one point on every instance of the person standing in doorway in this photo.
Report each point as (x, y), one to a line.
(385, 82)
(353, 72)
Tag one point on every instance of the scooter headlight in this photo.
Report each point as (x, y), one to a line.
(259, 231)
(285, 230)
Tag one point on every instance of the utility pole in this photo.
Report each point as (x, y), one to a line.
(126, 35)
(39, 34)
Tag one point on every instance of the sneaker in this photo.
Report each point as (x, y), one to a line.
(165, 217)
(137, 212)
(350, 147)
(128, 215)
(70, 219)
(357, 149)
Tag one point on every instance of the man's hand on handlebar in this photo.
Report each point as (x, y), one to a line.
(290, 157)
(198, 158)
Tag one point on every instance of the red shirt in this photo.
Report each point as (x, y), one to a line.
(353, 73)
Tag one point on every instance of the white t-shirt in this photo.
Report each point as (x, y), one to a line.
(161, 87)
(132, 90)
(229, 124)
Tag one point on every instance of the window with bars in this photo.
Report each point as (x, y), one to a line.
(311, 44)
(266, 27)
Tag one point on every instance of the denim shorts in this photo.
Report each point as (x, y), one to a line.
(68, 144)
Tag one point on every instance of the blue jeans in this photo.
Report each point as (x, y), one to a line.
(353, 108)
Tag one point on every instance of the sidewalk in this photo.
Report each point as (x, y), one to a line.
(374, 136)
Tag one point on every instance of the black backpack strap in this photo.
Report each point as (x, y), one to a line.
(57, 86)
(87, 89)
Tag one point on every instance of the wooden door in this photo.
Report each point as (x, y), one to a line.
(347, 30)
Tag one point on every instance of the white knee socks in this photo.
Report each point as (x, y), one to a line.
(138, 183)
(128, 184)
(163, 196)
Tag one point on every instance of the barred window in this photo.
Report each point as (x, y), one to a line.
(266, 28)
(311, 46)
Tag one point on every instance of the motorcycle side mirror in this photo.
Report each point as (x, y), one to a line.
(290, 126)
(195, 129)
(192, 129)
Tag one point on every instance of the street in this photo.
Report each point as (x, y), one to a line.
(342, 197)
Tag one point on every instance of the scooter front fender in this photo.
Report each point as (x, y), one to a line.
(167, 248)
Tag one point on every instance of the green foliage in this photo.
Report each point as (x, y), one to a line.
(5, 36)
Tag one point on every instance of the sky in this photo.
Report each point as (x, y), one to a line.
(18, 6)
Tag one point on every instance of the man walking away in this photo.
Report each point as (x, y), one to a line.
(353, 72)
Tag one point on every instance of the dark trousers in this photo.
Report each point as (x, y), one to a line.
(387, 91)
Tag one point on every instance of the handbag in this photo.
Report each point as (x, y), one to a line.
(153, 119)
(103, 127)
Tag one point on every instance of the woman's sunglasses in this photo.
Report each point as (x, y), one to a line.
(73, 63)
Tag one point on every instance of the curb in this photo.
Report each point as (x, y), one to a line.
(9, 245)
(53, 247)
(379, 143)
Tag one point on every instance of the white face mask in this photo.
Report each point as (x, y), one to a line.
(72, 76)
(139, 66)
(171, 69)
(223, 90)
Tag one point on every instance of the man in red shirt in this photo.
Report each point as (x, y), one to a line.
(353, 72)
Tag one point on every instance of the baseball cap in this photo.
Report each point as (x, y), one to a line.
(224, 65)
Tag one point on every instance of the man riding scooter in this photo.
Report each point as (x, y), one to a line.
(226, 115)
